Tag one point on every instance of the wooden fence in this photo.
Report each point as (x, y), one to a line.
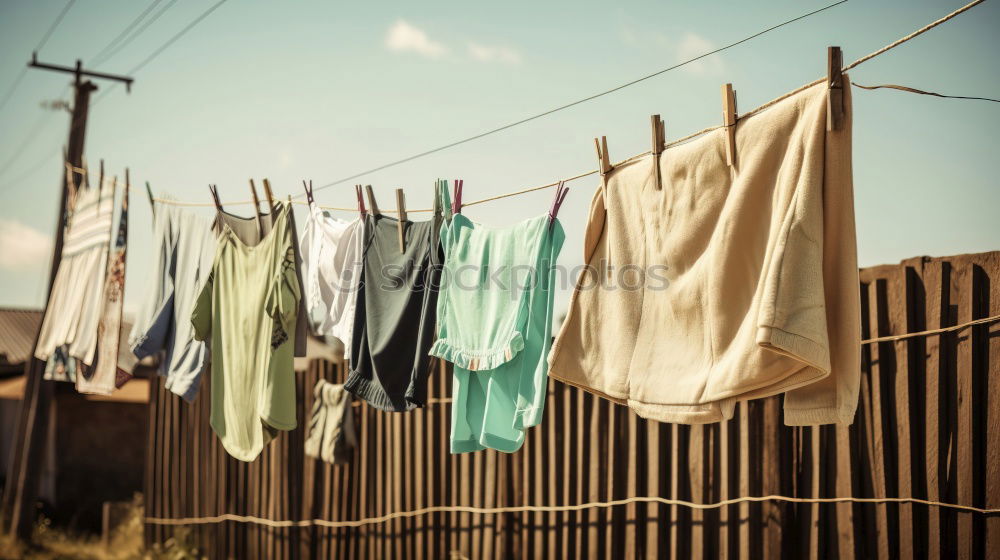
(928, 427)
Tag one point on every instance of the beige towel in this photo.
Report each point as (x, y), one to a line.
(760, 262)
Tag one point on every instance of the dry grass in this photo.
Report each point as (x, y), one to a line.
(50, 543)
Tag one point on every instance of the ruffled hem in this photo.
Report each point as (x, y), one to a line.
(478, 360)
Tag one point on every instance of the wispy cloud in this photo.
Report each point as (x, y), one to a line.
(685, 47)
(22, 247)
(487, 53)
(633, 36)
(406, 37)
(692, 45)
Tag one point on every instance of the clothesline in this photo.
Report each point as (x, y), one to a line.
(549, 509)
(677, 142)
(893, 338)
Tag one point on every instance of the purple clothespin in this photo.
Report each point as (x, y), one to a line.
(456, 203)
(561, 191)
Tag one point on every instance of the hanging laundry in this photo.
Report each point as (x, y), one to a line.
(105, 376)
(246, 229)
(761, 279)
(249, 308)
(185, 248)
(331, 268)
(394, 319)
(75, 303)
(495, 326)
(331, 424)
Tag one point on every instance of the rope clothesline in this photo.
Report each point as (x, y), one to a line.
(893, 338)
(677, 142)
(609, 504)
(922, 92)
(551, 509)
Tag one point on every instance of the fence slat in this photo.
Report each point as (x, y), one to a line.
(927, 426)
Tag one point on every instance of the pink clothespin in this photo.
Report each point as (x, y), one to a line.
(456, 203)
(561, 191)
(361, 201)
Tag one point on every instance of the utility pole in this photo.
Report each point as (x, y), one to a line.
(28, 455)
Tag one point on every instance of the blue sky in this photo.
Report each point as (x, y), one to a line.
(322, 90)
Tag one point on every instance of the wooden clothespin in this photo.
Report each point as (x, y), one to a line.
(401, 222)
(729, 121)
(215, 197)
(128, 187)
(659, 137)
(83, 172)
(436, 209)
(361, 201)
(371, 201)
(456, 198)
(70, 181)
(149, 193)
(602, 157)
(256, 209)
(835, 81)
(269, 195)
(309, 191)
(659, 134)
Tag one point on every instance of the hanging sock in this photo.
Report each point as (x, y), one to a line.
(331, 424)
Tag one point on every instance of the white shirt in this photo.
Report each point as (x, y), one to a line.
(331, 268)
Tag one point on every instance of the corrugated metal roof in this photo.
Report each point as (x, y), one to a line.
(18, 328)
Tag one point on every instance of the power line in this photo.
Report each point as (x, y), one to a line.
(13, 86)
(146, 61)
(28, 172)
(52, 28)
(41, 122)
(97, 59)
(572, 103)
(684, 139)
(32, 169)
(167, 45)
(28, 138)
(177, 36)
(39, 125)
(41, 43)
(137, 32)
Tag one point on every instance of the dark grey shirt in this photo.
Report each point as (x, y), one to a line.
(395, 316)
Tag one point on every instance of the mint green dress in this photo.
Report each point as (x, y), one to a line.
(494, 325)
